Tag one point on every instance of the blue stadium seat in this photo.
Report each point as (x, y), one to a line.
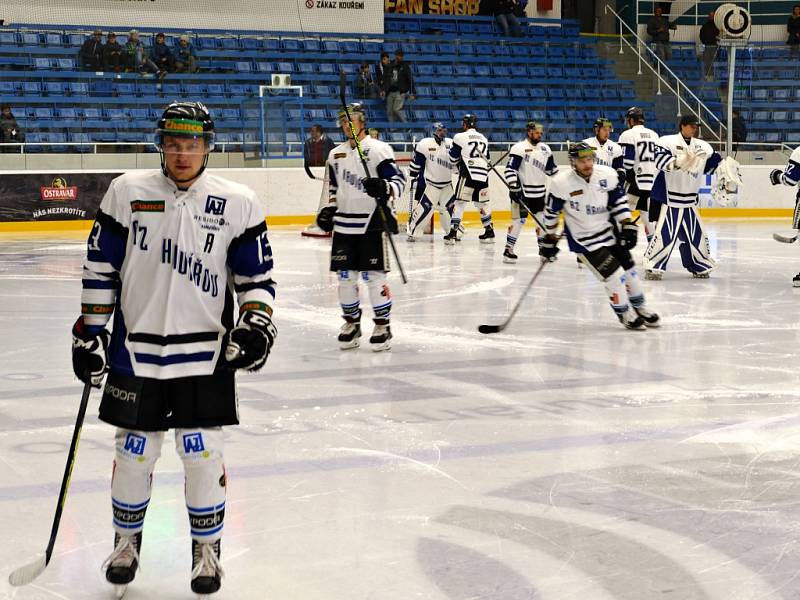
(447, 49)
(330, 69)
(250, 44)
(759, 95)
(216, 90)
(91, 113)
(500, 93)
(230, 43)
(322, 91)
(240, 90)
(556, 93)
(462, 70)
(498, 70)
(31, 39)
(125, 89)
(519, 116)
(306, 68)
(285, 67)
(196, 90)
(312, 46)
(55, 88)
(54, 39)
(139, 114)
(31, 88)
(781, 95)
(42, 112)
(538, 115)
(351, 47)
(556, 115)
(424, 69)
(290, 45)
(263, 67)
(538, 73)
(207, 43)
(481, 93)
(42, 64)
(330, 46)
(65, 64)
(466, 50)
(272, 45)
(8, 38)
(8, 88)
(33, 139)
(100, 87)
(244, 66)
(427, 48)
(444, 70)
(80, 138)
(116, 113)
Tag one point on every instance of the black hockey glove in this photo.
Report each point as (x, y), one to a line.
(89, 352)
(628, 234)
(548, 247)
(325, 218)
(515, 195)
(248, 344)
(775, 176)
(377, 188)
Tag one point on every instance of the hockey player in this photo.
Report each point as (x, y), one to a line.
(358, 203)
(791, 176)
(681, 159)
(530, 163)
(431, 174)
(166, 253)
(470, 153)
(591, 199)
(639, 151)
(607, 153)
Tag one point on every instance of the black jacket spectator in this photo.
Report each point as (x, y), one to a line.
(380, 70)
(91, 53)
(709, 33)
(398, 78)
(365, 84)
(10, 131)
(113, 54)
(793, 27)
(162, 55)
(658, 28)
(739, 128)
(316, 149)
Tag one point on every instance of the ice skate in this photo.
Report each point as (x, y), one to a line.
(207, 571)
(349, 334)
(451, 238)
(631, 320)
(652, 275)
(650, 318)
(509, 256)
(123, 562)
(703, 275)
(796, 281)
(381, 338)
(487, 237)
(316, 232)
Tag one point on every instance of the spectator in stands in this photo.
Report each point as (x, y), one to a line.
(316, 149)
(10, 131)
(185, 57)
(162, 55)
(113, 54)
(380, 71)
(739, 129)
(793, 28)
(365, 84)
(398, 85)
(136, 58)
(505, 17)
(91, 53)
(658, 29)
(708, 37)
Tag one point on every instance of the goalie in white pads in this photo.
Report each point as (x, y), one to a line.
(470, 154)
(530, 164)
(790, 176)
(681, 159)
(431, 174)
(639, 159)
(358, 203)
(167, 251)
(598, 226)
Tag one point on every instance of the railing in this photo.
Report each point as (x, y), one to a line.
(718, 129)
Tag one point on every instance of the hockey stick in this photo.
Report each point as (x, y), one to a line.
(487, 329)
(25, 575)
(499, 160)
(786, 239)
(381, 209)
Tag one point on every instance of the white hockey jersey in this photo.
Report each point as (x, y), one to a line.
(470, 152)
(165, 262)
(791, 174)
(639, 155)
(678, 187)
(608, 154)
(588, 207)
(432, 160)
(530, 166)
(354, 208)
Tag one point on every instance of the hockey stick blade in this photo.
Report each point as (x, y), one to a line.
(785, 239)
(487, 329)
(25, 575)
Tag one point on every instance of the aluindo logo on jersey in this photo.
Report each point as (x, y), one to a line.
(186, 263)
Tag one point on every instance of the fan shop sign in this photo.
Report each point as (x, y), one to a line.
(432, 7)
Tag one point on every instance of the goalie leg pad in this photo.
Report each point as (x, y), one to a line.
(695, 250)
(420, 217)
(348, 295)
(379, 293)
(663, 243)
(136, 453)
(796, 215)
(201, 451)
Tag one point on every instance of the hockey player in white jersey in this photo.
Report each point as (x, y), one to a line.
(470, 153)
(431, 174)
(639, 152)
(530, 164)
(358, 204)
(598, 226)
(607, 152)
(681, 159)
(167, 251)
(791, 176)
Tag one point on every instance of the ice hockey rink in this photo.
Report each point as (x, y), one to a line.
(565, 458)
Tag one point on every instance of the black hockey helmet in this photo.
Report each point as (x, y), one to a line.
(354, 108)
(635, 113)
(579, 150)
(689, 119)
(603, 122)
(470, 120)
(185, 119)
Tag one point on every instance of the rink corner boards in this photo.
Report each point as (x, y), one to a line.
(303, 220)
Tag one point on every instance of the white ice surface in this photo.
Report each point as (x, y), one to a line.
(566, 458)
